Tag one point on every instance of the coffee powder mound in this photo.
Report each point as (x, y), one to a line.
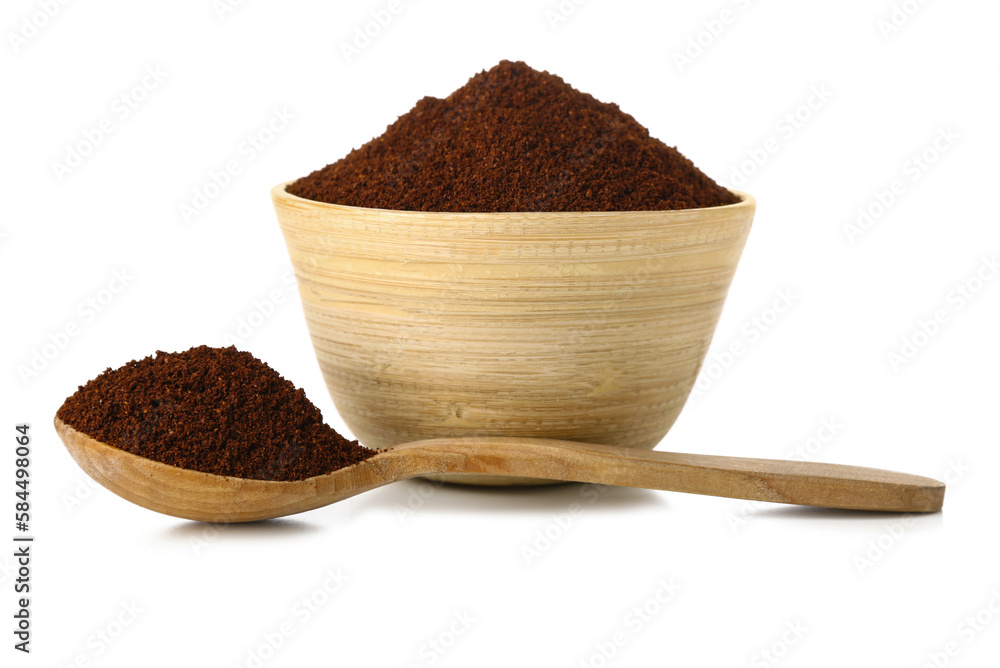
(514, 139)
(217, 410)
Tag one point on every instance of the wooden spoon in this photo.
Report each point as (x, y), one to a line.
(214, 498)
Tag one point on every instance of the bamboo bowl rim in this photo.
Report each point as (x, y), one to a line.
(280, 194)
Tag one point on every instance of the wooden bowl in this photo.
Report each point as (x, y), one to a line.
(584, 326)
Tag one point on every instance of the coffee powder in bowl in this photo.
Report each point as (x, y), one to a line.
(516, 259)
(514, 139)
(216, 410)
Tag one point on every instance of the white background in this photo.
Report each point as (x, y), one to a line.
(813, 588)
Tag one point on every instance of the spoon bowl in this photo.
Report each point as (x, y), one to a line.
(209, 497)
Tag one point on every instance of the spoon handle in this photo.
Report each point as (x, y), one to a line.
(779, 481)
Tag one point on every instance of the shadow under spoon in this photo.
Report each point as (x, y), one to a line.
(209, 497)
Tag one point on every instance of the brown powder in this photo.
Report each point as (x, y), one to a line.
(217, 410)
(514, 139)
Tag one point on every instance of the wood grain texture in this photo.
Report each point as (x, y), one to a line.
(215, 498)
(587, 327)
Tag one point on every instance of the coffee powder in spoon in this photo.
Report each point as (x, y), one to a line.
(217, 410)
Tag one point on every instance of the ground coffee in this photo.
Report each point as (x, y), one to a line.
(217, 410)
(514, 139)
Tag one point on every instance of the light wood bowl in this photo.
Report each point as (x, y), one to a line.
(584, 326)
